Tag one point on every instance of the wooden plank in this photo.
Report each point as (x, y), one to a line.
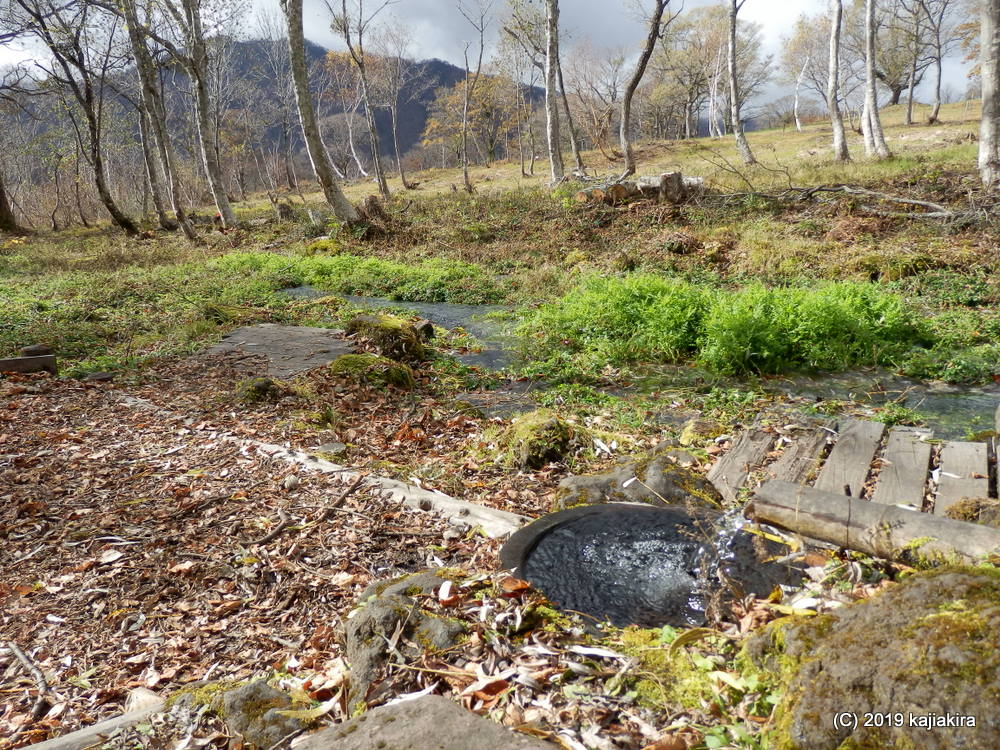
(730, 472)
(29, 364)
(801, 458)
(964, 473)
(905, 466)
(851, 458)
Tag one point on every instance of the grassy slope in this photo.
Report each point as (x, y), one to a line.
(514, 241)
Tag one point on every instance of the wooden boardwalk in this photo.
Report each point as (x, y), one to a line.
(862, 459)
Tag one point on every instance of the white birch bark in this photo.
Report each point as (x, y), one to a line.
(875, 144)
(318, 156)
(989, 131)
(551, 89)
(734, 89)
(840, 152)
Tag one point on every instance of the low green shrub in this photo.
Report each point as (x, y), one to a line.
(617, 321)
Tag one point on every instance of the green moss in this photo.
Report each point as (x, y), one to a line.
(373, 369)
(258, 390)
(696, 431)
(665, 677)
(394, 337)
(537, 438)
(203, 694)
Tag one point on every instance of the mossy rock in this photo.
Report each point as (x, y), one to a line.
(373, 369)
(393, 337)
(663, 478)
(698, 430)
(394, 606)
(324, 246)
(537, 438)
(259, 390)
(925, 647)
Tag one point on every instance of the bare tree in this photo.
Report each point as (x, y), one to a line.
(352, 27)
(10, 82)
(840, 152)
(82, 51)
(479, 21)
(655, 33)
(943, 39)
(989, 131)
(871, 123)
(734, 90)
(527, 27)
(551, 102)
(318, 156)
(402, 79)
(151, 103)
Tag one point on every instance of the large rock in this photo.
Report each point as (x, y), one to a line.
(253, 712)
(393, 337)
(663, 478)
(537, 438)
(428, 723)
(387, 606)
(373, 370)
(924, 651)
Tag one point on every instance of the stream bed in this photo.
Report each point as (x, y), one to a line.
(951, 411)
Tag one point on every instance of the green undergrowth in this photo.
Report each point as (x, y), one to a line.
(616, 321)
(99, 320)
(428, 280)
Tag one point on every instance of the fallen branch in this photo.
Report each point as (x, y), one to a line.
(328, 513)
(284, 523)
(41, 703)
(885, 531)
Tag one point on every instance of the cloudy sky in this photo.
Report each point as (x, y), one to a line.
(440, 31)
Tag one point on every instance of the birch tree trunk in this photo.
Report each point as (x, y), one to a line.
(989, 131)
(153, 171)
(574, 141)
(8, 222)
(798, 85)
(318, 156)
(655, 19)
(197, 65)
(734, 89)
(551, 92)
(840, 152)
(152, 104)
(875, 144)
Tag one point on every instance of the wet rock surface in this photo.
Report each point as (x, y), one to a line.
(288, 349)
(428, 723)
(640, 564)
(663, 478)
(923, 651)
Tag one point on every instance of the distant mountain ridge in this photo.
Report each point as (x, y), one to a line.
(250, 55)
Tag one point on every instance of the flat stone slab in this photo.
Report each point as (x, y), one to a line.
(428, 723)
(289, 349)
(30, 364)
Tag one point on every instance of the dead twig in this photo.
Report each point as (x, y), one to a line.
(284, 523)
(41, 684)
(328, 513)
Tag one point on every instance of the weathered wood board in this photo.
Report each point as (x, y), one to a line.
(800, 459)
(905, 465)
(851, 458)
(747, 453)
(30, 364)
(964, 473)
